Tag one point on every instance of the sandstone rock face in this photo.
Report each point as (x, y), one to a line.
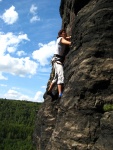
(78, 121)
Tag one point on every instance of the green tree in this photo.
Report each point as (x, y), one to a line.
(17, 120)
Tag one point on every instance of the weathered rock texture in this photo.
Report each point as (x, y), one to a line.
(78, 121)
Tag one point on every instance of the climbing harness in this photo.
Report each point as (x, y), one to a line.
(58, 59)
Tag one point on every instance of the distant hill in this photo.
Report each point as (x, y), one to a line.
(17, 120)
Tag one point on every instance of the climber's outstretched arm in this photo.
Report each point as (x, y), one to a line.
(64, 41)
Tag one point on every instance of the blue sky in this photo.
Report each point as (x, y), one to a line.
(28, 31)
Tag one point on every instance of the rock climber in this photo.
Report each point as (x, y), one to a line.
(58, 61)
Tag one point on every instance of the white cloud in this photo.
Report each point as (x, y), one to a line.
(21, 53)
(3, 85)
(33, 9)
(17, 66)
(9, 42)
(10, 16)
(11, 49)
(38, 97)
(13, 94)
(34, 18)
(45, 52)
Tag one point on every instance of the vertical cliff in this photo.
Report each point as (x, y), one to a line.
(78, 121)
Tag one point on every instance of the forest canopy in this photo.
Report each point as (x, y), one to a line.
(17, 122)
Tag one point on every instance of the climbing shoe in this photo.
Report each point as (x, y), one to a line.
(48, 93)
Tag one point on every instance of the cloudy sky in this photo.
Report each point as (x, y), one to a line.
(28, 31)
